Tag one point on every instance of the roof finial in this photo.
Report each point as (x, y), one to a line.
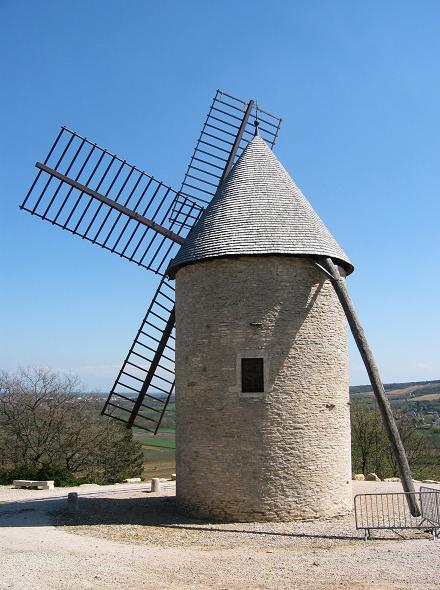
(256, 122)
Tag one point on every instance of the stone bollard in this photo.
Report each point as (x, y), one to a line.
(155, 485)
(72, 502)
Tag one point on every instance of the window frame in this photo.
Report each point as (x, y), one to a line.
(252, 374)
(236, 388)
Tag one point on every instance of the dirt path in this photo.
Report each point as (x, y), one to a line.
(146, 544)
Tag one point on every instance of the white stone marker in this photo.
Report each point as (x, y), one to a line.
(155, 485)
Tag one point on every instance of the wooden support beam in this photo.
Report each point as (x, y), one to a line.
(331, 270)
(238, 138)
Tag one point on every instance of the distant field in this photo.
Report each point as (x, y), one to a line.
(412, 389)
(166, 430)
(394, 386)
(159, 452)
(166, 443)
(423, 395)
(158, 461)
(429, 397)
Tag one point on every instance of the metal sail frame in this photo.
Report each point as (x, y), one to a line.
(96, 195)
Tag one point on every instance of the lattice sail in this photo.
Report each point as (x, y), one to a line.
(96, 195)
(228, 119)
(145, 382)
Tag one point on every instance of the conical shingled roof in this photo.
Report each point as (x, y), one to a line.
(258, 210)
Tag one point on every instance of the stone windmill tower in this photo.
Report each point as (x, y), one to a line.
(261, 358)
(262, 414)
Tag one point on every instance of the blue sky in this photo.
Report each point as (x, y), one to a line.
(358, 87)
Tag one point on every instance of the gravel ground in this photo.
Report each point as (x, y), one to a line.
(125, 536)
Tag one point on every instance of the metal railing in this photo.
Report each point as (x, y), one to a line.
(390, 511)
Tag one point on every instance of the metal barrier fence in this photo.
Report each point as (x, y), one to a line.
(390, 511)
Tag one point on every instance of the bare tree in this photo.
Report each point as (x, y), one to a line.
(366, 435)
(47, 425)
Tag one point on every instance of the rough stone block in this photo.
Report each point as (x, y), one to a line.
(372, 477)
(33, 484)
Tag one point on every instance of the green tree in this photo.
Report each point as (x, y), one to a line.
(371, 450)
(416, 445)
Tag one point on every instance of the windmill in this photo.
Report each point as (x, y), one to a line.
(96, 195)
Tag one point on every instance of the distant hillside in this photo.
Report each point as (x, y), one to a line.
(413, 390)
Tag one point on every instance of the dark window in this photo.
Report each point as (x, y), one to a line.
(252, 375)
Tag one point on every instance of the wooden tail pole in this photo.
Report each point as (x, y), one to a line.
(367, 356)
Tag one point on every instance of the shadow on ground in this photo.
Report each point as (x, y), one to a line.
(145, 511)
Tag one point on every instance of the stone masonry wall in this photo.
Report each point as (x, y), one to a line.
(283, 454)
